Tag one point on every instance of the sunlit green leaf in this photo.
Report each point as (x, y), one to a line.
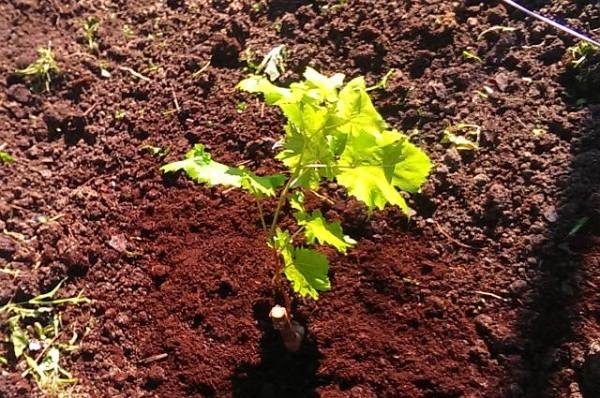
(374, 167)
(262, 85)
(307, 271)
(316, 228)
(357, 111)
(199, 166)
(17, 337)
(259, 186)
(6, 157)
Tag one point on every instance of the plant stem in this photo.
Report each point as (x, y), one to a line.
(271, 234)
(262, 216)
(280, 202)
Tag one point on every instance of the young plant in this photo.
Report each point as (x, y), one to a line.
(35, 335)
(332, 133)
(90, 29)
(42, 70)
(5, 157)
(580, 52)
(467, 141)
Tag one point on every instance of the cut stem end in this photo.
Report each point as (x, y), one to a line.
(291, 332)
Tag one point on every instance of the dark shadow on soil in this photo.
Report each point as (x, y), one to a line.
(279, 373)
(548, 325)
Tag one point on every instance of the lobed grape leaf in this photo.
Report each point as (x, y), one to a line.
(306, 269)
(316, 228)
(357, 111)
(374, 167)
(200, 167)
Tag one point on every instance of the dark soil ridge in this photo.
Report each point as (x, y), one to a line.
(410, 313)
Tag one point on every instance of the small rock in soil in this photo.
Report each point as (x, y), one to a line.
(518, 287)
(550, 214)
(118, 242)
(501, 81)
(159, 272)
(591, 371)
(19, 93)
(495, 334)
(452, 159)
(156, 375)
(481, 179)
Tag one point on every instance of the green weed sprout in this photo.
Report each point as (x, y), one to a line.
(42, 70)
(5, 157)
(36, 336)
(580, 52)
(90, 29)
(333, 133)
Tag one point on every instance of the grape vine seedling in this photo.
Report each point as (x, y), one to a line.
(332, 133)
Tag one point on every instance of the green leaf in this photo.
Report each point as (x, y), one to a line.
(370, 185)
(48, 295)
(262, 85)
(296, 201)
(6, 157)
(357, 111)
(411, 173)
(18, 337)
(302, 148)
(326, 86)
(259, 186)
(374, 167)
(462, 142)
(316, 228)
(199, 166)
(307, 270)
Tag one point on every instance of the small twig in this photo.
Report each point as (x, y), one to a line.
(201, 70)
(450, 238)
(90, 109)
(154, 358)
(175, 100)
(487, 294)
(134, 73)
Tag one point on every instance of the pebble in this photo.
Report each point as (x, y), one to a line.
(591, 370)
(501, 81)
(518, 287)
(550, 214)
(452, 159)
(19, 93)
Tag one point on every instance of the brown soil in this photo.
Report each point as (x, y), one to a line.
(482, 294)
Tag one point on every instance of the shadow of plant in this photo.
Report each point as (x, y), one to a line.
(279, 372)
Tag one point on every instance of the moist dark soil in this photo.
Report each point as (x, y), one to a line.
(483, 293)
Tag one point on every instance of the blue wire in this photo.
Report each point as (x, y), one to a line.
(553, 23)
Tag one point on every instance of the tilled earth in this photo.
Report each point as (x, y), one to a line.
(484, 293)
